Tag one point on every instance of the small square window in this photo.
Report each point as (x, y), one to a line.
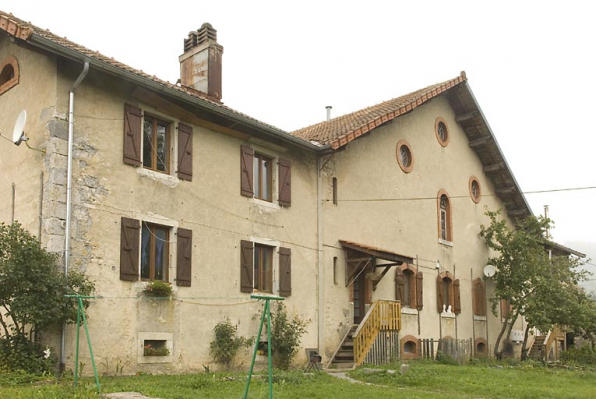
(155, 347)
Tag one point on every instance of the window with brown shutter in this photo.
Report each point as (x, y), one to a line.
(184, 258)
(419, 291)
(285, 272)
(448, 294)
(132, 134)
(407, 286)
(246, 266)
(456, 297)
(246, 171)
(184, 152)
(285, 182)
(479, 299)
(400, 283)
(155, 252)
(129, 249)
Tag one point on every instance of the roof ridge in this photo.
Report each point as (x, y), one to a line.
(25, 30)
(341, 130)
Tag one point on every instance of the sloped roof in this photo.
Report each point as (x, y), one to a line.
(44, 38)
(341, 130)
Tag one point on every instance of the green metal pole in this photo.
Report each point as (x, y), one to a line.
(268, 308)
(90, 348)
(254, 355)
(77, 348)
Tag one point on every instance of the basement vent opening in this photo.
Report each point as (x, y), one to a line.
(155, 347)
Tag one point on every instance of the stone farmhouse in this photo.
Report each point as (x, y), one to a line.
(371, 217)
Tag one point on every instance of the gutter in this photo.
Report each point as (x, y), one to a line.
(320, 275)
(270, 131)
(67, 229)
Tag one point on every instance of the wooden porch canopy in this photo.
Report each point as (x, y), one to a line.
(360, 257)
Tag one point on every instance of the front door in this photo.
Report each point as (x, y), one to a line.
(359, 298)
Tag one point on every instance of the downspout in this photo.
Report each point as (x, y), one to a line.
(69, 194)
(321, 286)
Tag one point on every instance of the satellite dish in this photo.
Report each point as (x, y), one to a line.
(18, 134)
(490, 270)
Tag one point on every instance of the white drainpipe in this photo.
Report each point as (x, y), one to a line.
(321, 286)
(69, 193)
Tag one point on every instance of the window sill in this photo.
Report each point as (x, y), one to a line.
(264, 204)
(168, 180)
(445, 242)
(479, 318)
(409, 311)
(448, 315)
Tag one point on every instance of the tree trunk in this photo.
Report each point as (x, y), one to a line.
(508, 322)
(525, 349)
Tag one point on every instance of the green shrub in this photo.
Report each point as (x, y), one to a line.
(158, 288)
(285, 336)
(226, 344)
(582, 354)
(19, 354)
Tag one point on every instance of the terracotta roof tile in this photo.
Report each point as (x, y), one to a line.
(341, 130)
(24, 30)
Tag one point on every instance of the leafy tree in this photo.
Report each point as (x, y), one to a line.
(538, 286)
(285, 336)
(32, 290)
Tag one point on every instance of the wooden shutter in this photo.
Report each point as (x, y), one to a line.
(184, 152)
(285, 182)
(246, 265)
(400, 283)
(440, 294)
(285, 272)
(479, 299)
(246, 171)
(419, 286)
(184, 258)
(456, 297)
(132, 135)
(129, 249)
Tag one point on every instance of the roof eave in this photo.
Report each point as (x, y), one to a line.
(47, 44)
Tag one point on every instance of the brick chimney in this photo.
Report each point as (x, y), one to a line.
(200, 65)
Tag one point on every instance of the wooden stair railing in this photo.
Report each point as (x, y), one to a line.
(383, 315)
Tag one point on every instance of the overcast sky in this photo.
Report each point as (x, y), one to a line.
(530, 64)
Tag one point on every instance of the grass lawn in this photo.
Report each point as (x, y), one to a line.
(423, 380)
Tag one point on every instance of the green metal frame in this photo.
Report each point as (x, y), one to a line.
(266, 312)
(81, 311)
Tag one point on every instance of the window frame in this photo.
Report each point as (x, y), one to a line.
(152, 240)
(444, 218)
(14, 80)
(444, 142)
(258, 272)
(406, 168)
(156, 122)
(258, 157)
(475, 198)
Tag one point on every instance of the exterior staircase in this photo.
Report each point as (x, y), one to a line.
(537, 349)
(344, 357)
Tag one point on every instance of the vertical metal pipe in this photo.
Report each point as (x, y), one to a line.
(13, 202)
(321, 286)
(40, 206)
(69, 194)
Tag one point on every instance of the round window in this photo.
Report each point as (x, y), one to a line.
(475, 192)
(442, 132)
(404, 156)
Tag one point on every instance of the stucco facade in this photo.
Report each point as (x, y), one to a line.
(355, 190)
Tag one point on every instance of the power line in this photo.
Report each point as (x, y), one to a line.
(461, 196)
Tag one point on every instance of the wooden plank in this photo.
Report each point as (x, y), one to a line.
(464, 117)
(169, 108)
(494, 167)
(481, 141)
(506, 190)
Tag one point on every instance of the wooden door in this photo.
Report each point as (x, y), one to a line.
(359, 298)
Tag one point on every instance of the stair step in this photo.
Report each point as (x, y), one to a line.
(343, 365)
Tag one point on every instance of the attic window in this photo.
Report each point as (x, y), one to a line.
(475, 191)
(404, 156)
(441, 131)
(9, 74)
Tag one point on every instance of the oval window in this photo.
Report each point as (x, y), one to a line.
(475, 192)
(404, 156)
(441, 131)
